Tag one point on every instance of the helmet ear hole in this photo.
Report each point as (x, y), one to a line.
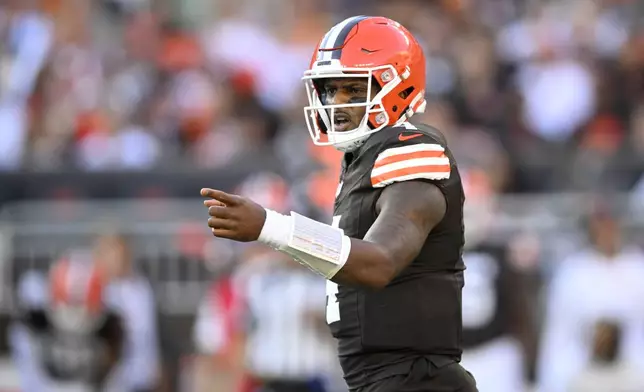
(406, 92)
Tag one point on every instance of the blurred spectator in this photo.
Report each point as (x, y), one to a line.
(287, 347)
(125, 325)
(499, 331)
(218, 337)
(27, 37)
(131, 295)
(606, 371)
(63, 336)
(600, 282)
(498, 327)
(118, 86)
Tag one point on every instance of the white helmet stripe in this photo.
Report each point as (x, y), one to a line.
(332, 38)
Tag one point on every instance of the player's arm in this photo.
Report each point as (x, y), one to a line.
(408, 208)
(407, 212)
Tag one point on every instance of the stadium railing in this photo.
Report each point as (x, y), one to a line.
(172, 245)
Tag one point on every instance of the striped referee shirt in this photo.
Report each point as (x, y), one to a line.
(287, 337)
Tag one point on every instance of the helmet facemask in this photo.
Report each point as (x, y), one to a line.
(321, 118)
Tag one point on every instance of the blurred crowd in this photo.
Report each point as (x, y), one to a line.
(535, 97)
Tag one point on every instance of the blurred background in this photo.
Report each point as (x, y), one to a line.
(114, 113)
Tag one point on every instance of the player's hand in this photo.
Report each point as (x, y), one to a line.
(233, 217)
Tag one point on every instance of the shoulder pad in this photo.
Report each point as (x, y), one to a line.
(408, 152)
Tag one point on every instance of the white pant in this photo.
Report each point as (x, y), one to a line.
(497, 366)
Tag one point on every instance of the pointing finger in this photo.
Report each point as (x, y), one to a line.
(221, 196)
(207, 192)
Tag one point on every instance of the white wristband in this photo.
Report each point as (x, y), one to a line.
(318, 246)
(276, 231)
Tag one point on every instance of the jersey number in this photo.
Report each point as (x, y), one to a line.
(332, 304)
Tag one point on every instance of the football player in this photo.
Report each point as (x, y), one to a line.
(65, 338)
(392, 256)
(497, 320)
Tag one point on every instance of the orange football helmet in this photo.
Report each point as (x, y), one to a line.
(77, 293)
(375, 48)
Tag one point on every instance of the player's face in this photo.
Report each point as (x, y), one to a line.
(343, 91)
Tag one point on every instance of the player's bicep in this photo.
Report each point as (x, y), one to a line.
(407, 213)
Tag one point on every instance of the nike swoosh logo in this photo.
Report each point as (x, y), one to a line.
(402, 137)
(370, 51)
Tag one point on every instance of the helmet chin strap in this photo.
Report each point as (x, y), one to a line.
(352, 144)
(347, 141)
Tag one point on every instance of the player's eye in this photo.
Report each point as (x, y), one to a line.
(330, 90)
(357, 90)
